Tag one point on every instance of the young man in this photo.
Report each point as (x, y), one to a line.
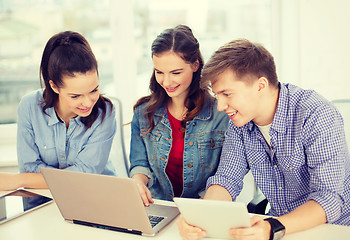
(291, 139)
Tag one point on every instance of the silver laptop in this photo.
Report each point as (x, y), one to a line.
(215, 217)
(105, 202)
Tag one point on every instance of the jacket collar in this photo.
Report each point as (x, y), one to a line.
(205, 114)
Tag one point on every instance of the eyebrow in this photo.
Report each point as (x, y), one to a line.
(222, 91)
(76, 94)
(175, 70)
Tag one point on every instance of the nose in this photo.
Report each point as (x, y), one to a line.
(87, 101)
(222, 105)
(166, 80)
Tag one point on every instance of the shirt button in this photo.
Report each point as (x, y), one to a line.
(70, 129)
(190, 143)
(280, 188)
(45, 147)
(285, 211)
(63, 157)
(194, 124)
(250, 161)
(275, 166)
(291, 168)
(189, 185)
(189, 165)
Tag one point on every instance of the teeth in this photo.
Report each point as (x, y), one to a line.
(231, 114)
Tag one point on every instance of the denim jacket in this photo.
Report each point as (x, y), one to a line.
(204, 138)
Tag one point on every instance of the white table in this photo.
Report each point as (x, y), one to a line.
(47, 223)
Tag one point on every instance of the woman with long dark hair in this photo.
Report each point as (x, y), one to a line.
(176, 131)
(67, 125)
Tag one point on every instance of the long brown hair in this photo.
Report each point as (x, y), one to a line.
(180, 40)
(67, 53)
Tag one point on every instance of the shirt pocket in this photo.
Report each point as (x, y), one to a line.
(47, 152)
(295, 172)
(209, 149)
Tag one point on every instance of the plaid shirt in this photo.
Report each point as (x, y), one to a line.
(308, 158)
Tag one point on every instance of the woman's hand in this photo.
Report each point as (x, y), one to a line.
(141, 181)
(260, 230)
(189, 232)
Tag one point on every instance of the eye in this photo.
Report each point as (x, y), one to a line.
(95, 90)
(75, 96)
(157, 72)
(176, 73)
(226, 94)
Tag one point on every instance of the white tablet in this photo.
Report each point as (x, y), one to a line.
(18, 202)
(215, 217)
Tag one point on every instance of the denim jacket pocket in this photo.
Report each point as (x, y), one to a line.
(210, 146)
(152, 141)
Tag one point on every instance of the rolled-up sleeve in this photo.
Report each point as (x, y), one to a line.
(327, 154)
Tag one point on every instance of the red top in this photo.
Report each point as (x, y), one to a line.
(174, 168)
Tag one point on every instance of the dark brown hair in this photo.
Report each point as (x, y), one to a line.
(243, 57)
(181, 41)
(65, 54)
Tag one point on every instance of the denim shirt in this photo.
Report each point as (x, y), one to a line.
(44, 141)
(204, 138)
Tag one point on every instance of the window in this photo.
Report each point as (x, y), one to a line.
(120, 34)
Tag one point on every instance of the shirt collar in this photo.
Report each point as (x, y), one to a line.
(280, 119)
(279, 122)
(54, 119)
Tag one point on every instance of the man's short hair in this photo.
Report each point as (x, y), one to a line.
(243, 57)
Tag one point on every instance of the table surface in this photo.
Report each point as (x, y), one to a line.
(48, 222)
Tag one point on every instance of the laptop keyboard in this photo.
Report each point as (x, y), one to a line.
(155, 220)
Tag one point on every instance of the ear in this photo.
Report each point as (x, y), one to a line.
(195, 66)
(263, 83)
(53, 87)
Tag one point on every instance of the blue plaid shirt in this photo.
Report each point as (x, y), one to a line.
(308, 158)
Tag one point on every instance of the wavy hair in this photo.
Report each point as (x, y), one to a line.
(65, 54)
(181, 41)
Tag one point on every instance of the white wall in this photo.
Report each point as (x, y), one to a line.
(315, 49)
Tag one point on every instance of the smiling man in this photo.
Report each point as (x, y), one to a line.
(291, 139)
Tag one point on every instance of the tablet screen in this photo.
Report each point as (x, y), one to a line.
(19, 202)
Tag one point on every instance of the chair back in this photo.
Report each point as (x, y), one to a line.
(343, 105)
(118, 154)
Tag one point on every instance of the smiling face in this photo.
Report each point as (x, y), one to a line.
(174, 74)
(77, 96)
(239, 98)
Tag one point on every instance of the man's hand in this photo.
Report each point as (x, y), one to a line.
(260, 230)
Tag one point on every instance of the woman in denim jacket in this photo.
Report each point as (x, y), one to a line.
(176, 132)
